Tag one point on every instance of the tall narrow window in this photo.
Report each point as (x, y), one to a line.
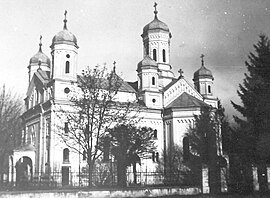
(155, 54)
(66, 128)
(67, 67)
(153, 81)
(164, 55)
(155, 134)
(157, 157)
(209, 89)
(153, 156)
(66, 155)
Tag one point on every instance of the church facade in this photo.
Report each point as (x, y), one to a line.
(170, 102)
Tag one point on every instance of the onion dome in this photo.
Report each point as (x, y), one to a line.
(147, 61)
(156, 24)
(64, 36)
(203, 72)
(40, 57)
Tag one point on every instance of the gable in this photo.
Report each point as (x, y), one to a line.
(39, 80)
(177, 88)
(186, 101)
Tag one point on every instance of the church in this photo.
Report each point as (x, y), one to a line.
(170, 102)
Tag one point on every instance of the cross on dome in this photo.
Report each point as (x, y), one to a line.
(65, 20)
(40, 43)
(202, 56)
(39, 63)
(155, 6)
(180, 71)
(114, 63)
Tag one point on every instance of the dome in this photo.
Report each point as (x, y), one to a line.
(64, 36)
(147, 61)
(203, 72)
(156, 24)
(40, 56)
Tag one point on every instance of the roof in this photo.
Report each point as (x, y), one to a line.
(156, 24)
(39, 79)
(174, 80)
(186, 100)
(147, 61)
(203, 72)
(134, 85)
(126, 87)
(66, 37)
(40, 56)
(43, 76)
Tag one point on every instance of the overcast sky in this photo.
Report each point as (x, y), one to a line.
(108, 30)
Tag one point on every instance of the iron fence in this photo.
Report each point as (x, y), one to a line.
(105, 179)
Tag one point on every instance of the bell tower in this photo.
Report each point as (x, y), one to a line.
(64, 50)
(203, 82)
(156, 44)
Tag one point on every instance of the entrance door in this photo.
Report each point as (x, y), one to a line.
(65, 175)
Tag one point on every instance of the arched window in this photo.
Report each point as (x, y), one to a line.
(164, 55)
(155, 134)
(153, 81)
(209, 89)
(66, 155)
(155, 54)
(67, 67)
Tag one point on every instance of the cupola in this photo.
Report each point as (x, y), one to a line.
(203, 80)
(39, 61)
(147, 61)
(40, 56)
(156, 24)
(64, 36)
(203, 72)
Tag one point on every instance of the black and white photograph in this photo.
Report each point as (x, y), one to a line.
(135, 98)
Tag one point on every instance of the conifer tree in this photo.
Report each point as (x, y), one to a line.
(204, 143)
(255, 96)
(254, 127)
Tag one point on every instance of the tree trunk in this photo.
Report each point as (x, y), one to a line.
(121, 174)
(214, 168)
(134, 172)
(90, 175)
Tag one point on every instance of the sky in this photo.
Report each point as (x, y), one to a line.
(109, 30)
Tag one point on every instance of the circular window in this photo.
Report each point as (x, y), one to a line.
(67, 55)
(154, 100)
(66, 90)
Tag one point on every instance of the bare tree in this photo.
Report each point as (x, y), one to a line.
(95, 107)
(10, 128)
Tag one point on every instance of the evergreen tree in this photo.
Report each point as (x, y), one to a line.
(255, 96)
(207, 138)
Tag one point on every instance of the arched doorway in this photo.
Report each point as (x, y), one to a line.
(24, 171)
